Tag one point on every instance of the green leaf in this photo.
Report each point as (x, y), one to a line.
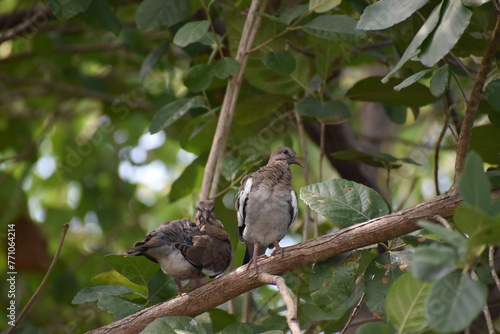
(344, 202)
(174, 324)
(161, 287)
(188, 180)
(379, 276)
(118, 306)
(413, 49)
(481, 143)
(243, 328)
(481, 229)
(153, 14)
(474, 3)
(440, 81)
(373, 90)
(433, 262)
(230, 168)
(66, 9)
(281, 61)
(386, 13)
(199, 77)
(191, 32)
(334, 28)
(152, 59)
(332, 282)
(405, 303)
(455, 17)
(334, 111)
(221, 319)
(92, 294)
(100, 15)
(454, 302)
(173, 111)
(492, 94)
(266, 104)
(474, 185)
(292, 13)
(451, 237)
(225, 67)
(412, 79)
(137, 269)
(321, 6)
(115, 278)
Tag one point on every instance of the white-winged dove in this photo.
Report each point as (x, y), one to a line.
(267, 204)
(211, 251)
(158, 246)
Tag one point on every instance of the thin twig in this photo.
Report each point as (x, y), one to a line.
(491, 261)
(486, 310)
(42, 284)
(291, 316)
(437, 149)
(442, 221)
(353, 314)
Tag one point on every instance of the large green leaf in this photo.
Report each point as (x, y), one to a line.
(173, 111)
(266, 104)
(374, 327)
(386, 13)
(199, 77)
(492, 94)
(176, 324)
(434, 261)
(191, 32)
(118, 306)
(344, 202)
(137, 269)
(379, 276)
(153, 14)
(280, 61)
(373, 90)
(331, 111)
(481, 143)
(474, 185)
(225, 67)
(454, 302)
(321, 6)
(66, 9)
(455, 18)
(187, 181)
(413, 49)
(412, 79)
(94, 293)
(453, 238)
(334, 28)
(100, 15)
(481, 229)
(332, 282)
(405, 303)
(161, 287)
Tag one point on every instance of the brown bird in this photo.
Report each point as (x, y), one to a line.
(267, 205)
(158, 246)
(211, 251)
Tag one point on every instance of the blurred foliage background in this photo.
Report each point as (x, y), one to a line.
(83, 82)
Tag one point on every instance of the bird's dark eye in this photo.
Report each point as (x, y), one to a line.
(285, 152)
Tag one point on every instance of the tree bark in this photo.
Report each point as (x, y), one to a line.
(239, 281)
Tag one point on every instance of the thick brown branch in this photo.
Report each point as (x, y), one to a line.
(473, 103)
(311, 251)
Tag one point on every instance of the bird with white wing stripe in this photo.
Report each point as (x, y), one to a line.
(267, 205)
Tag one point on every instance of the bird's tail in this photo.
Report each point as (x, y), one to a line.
(138, 250)
(249, 253)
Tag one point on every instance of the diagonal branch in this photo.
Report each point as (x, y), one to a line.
(473, 102)
(239, 281)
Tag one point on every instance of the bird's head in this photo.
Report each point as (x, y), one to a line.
(287, 154)
(206, 210)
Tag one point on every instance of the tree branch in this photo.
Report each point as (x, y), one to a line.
(26, 22)
(239, 281)
(228, 105)
(473, 103)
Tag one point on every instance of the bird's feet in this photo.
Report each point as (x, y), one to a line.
(277, 249)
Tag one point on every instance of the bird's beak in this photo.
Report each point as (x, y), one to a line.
(297, 162)
(205, 214)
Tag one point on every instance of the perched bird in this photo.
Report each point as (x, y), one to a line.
(211, 251)
(187, 250)
(158, 246)
(267, 205)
